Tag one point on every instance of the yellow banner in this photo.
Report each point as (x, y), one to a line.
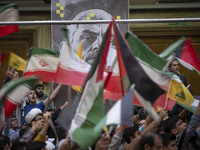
(16, 62)
(179, 93)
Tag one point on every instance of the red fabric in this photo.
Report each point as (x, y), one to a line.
(5, 30)
(9, 108)
(189, 55)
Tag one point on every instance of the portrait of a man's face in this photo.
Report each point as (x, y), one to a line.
(90, 35)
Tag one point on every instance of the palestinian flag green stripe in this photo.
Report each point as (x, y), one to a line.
(172, 48)
(142, 51)
(95, 114)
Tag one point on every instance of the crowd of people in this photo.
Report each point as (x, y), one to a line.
(38, 129)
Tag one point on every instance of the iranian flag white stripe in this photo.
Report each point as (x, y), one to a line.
(14, 99)
(71, 70)
(44, 63)
(13, 93)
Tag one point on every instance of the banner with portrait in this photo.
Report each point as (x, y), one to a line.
(89, 34)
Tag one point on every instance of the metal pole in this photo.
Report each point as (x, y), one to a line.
(64, 22)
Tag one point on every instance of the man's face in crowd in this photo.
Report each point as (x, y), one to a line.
(157, 144)
(39, 122)
(174, 67)
(171, 146)
(14, 122)
(39, 91)
(180, 126)
(91, 37)
(32, 96)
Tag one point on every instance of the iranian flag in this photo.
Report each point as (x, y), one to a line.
(72, 70)
(146, 90)
(91, 108)
(13, 93)
(8, 13)
(42, 62)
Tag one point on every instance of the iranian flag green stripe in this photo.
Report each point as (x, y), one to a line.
(13, 93)
(91, 109)
(42, 51)
(42, 62)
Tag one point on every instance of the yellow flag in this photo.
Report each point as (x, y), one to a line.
(16, 62)
(79, 53)
(179, 93)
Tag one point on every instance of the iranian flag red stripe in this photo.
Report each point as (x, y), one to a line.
(71, 70)
(42, 62)
(13, 93)
(91, 109)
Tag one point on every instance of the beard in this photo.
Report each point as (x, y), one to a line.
(39, 95)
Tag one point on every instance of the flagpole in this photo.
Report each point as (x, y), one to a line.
(68, 22)
(167, 94)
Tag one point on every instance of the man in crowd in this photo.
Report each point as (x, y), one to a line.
(174, 68)
(39, 89)
(169, 141)
(32, 102)
(151, 141)
(184, 134)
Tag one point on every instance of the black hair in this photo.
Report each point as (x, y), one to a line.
(18, 146)
(38, 85)
(147, 139)
(170, 123)
(22, 131)
(4, 140)
(37, 145)
(167, 138)
(130, 132)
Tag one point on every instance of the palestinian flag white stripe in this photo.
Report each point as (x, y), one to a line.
(87, 100)
(161, 79)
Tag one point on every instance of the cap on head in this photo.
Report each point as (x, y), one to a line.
(32, 114)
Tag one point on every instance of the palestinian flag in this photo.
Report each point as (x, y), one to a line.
(13, 93)
(91, 108)
(42, 62)
(72, 70)
(192, 107)
(184, 50)
(8, 13)
(154, 66)
(145, 89)
(189, 61)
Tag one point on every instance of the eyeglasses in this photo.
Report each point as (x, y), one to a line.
(12, 120)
